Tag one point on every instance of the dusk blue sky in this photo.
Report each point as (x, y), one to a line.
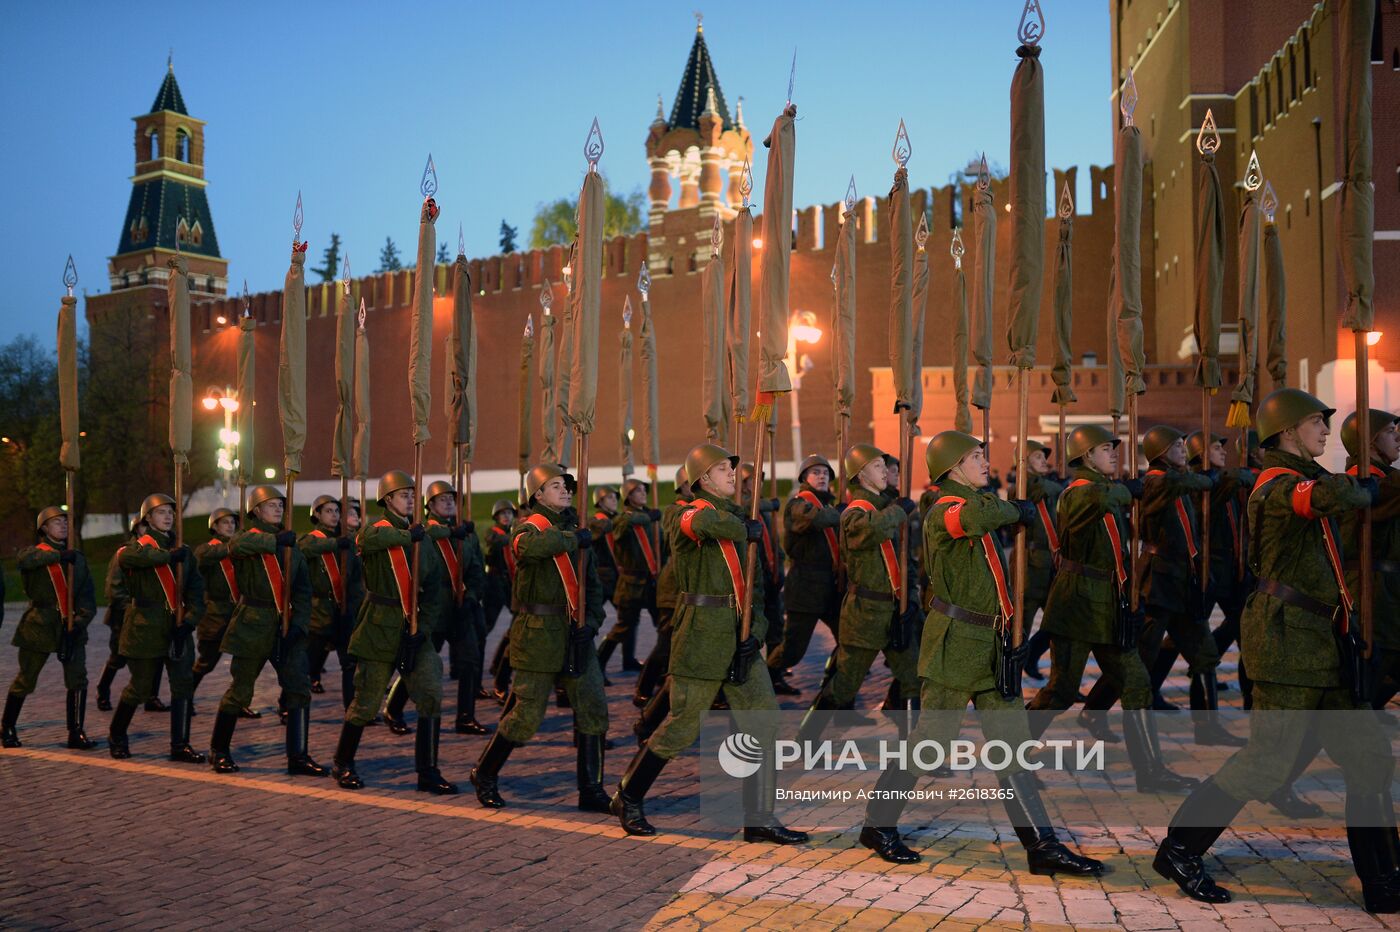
(345, 101)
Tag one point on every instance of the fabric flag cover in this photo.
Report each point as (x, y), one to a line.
(68, 382)
(527, 366)
(624, 398)
(1127, 290)
(983, 292)
(343, 439)
(1210, 273)
(651, 413)
(588, 289)
(916, 351)
(777, 254)
(549, 415)
(1356, 207)
(420, 341)
(844, 323)
(963, 419)
(1117, 397)
(1027, 194)
(247, 374)
(291, 365)
(740, 323)
(461, 365)
(1064, 313)
(1276, 297)
(712, 348)
(1250, 240)
(901, 324)
(181, 388)
(563, 437)
(362, 412)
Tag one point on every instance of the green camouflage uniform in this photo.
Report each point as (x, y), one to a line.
(1292, 653)
(149, 622)
(1082, 608)
(498, 574)
(705, 637)
(539, 633)
(1170, 585)
(636, 587)
(1385, 571)
(870, 606)
(40, 628)
(813, 595)
(218, 603)
(1040, 559)
(251, 638)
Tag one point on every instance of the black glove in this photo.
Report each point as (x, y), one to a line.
(753, 529)
(908, 504)
(1134, 486)
(1029, 513)
(1213, 474)
(768, 504)
(417, 532)
(68, 556)
(180, 554)
(654, 514)
(585, 537)
(840, 507)
(286, 538)
(569, 515)
(462, 530)
(1372, 487)
(343, 543)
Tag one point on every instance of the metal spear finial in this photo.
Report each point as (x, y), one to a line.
(984, 177)
(1208, 139)
(345, 272)
(1269, 202)
(627, 312)
(1127, 102)
(461, 243)
(850, 201)
(546, 297)
(957, 249)
(529, 326)
(296, 221)
(792, 75)
(717, 233)
(70, 275)
(746, 182)
(921, 234)
(593, 146)
(1253, 174)
(360, 317)
(1066, 202)
(247, 309)
(903, 148)
(1031, 30)
(428, 185)
(644, 281)
(833, 274)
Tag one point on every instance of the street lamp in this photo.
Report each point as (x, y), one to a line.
(227, 454)
(802, 328)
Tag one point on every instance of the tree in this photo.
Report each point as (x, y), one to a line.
(442, 257)
(557, 221)
(29, 434)
(508, 234)
(331, 270)
(389, 260)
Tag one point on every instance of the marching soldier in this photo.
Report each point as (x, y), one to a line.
(1385, 543)
(1043, 543)
(382, 636)
(655, 702)
(255, 636)
(600, 525)
(870, 619)
(811, 524)
(1087, 608)
(500, 576)
(216, 570)
(547, 644)
(1303, 655)
(150, 638)
(638, 564)
(42, 629)
(453, 605)
(327, 552)
(115, 590)
(1171, 586)
(970, 602)
(770, 556)
(709, 572)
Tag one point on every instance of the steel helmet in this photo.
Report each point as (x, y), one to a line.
(1380, 420)
(1287, 408)
(812, 462)
(219, 514)
(263, 493)
(48, 514)
(320, 501)
(1083, 439)
(391, 482)
(946, 450)
(858, 457)
(500, 505)
(154, 501)
(1157, 441)
(542, 473)
(702, 458)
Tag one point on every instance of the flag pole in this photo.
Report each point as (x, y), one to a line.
(68, 414)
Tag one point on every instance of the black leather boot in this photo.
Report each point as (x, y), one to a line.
(77, 716)
(880, 833)
(466, 723)
(1095, 722)
(9, 736)
(347, 683)
(653, 714)
(591, 796)
(653, 672)
(248, 712)
(343, 764)
(1045, 854)
(632, 790)
(394, 706)
(1287, 802)
(605, 652)
(760, 793)
(180, 751)
(1197, 824)
(781, 687)
(1140, 732)
(815, 721)
(1370, 820)
(486, 773)
(1205, 703)
(104, 686)
(425, 758)
(299, 761)
(220, 760)
(117, 744)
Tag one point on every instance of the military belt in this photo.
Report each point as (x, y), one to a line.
(253, 601)
(219, 605)
(543, 609)
(1085, 570)
(981, 619)
(639, 577)
(873, 595)
(377, 599)
(1307, 603)
(150, 603)
(708, 601)
(1388, 567)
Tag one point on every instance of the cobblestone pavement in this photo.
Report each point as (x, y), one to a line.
(95, 843)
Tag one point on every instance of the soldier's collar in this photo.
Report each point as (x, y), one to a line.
(395, 519)
(860, 491)
(266, 527)
(1307, 467)
(711, 498)
(55, 544)
(952, 486)
(540, 508)
(1083, 471)
(824, 495)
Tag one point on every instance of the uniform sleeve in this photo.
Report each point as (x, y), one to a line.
(115, 586)
(137, 555)
(311, 545)
(531, 545)
(593, 598)
(701, 524)
(301, 591)
(194, 596)
(31, 558)
(473, 567)
(249, 544)
(1084, 506)
(863, 530)
(376, 538)
(1387, 508)
(85, 595)
(1329, 496)
(1161, 492)
(974, 517)
(208, 554)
